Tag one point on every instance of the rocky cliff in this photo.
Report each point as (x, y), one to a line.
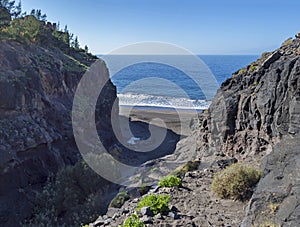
(255, 117)
(37, 84)
(256, 107)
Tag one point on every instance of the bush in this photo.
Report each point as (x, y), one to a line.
(133, 221)
(287, 42)
(144, 189)
(119, 199)
(170, 181)
(189, 166)
(157, 203)
(27, 28)
(73, 197)
(235, 182)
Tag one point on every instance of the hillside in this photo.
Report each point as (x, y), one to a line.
(39, 73)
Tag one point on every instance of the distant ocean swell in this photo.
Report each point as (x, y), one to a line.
(158, 86)
(161, 102)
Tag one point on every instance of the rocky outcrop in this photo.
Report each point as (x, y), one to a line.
(256, 107)
(255, 117)
(277, 197)
(37, 86)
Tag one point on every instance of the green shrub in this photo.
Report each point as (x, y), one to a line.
(144, 189)
(189, 166)
(28, 28)
(119, 199)
(253, 67)
(133, 221)
(287, 42)
(170, 181)
(235, 182)
(157, 203)
(73, 197)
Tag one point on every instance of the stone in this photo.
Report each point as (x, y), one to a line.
(188, 174)
(159, 216)
(125, 211)
(146, 211)
(146, 220)
(226, 162)
(154, 189)
(274, 57)
(173, 208)
(115, 216)
(135, 200)
(111, 212)
(100, 221)
(173, 215)
(107, 221)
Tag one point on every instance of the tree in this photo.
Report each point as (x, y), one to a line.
(58, 26)
(28, 28)
(76, 43)
(7, 4)
(86, 49)
(5, 17)
(16, 12)
(38, 14)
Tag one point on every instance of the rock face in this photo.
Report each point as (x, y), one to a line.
(255, 117)
(37, 86)
(277, 197)
(256, 107)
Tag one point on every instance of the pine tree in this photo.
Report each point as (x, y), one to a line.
(8, 4)
(86, 49)
(58, 26)
(38, 14)
(5, 16)
(33, 12)
(16, 12)
(76, 43)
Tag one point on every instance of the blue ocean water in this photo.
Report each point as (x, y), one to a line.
(188, 86)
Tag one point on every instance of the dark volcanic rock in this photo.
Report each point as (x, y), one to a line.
(256, 107)
(253, 111)
(36, 138)
(277, 197)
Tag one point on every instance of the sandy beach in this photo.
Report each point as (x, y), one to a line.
(176, 121)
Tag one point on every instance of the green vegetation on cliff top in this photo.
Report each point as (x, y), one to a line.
(33, 28)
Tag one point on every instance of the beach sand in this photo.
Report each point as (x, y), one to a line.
(178, 122)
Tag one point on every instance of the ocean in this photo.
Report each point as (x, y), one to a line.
(154, 85)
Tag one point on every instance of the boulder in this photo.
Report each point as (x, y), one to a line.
(146, 211)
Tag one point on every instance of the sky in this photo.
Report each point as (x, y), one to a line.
(201, 26)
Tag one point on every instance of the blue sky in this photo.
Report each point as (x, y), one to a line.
(201, 26)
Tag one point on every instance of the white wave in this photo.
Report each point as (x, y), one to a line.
(144, 100)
